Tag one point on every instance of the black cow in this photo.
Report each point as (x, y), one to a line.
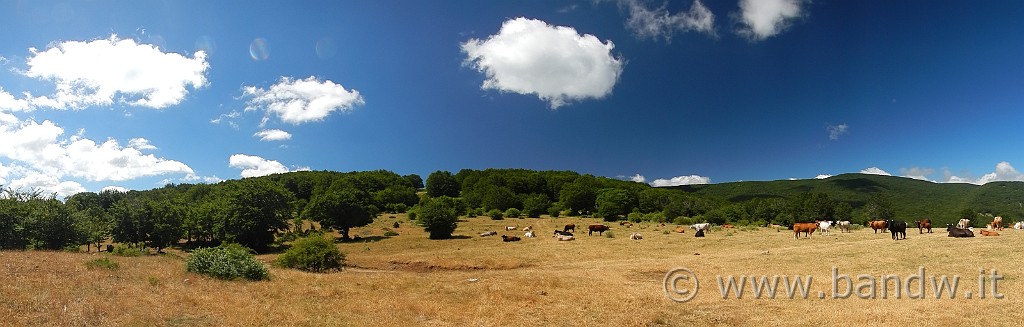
(958, 232)
(700, 233)
(898, 228)
(558, 232)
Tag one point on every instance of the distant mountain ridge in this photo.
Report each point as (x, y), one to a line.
(911, 198)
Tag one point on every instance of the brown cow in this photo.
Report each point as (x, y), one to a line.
(806, 228)
(877, 225)
(988, 233)
(510, 238)
(924, 224)
(997, 223)
(600, 229)
(680, 229)
(569, 227)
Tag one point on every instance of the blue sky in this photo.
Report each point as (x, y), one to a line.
(135, 94)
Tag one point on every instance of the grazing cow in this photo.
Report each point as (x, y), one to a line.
(569, 227)
(964, 223)
(701, 226)
(898, 228)
(700, 233)
(826, 227)
(508, 228)
(997, 223)
(491, 233)
(564, 237)
(680, 229)
(877, 225)
(510, 238)
(558, 232)
(989, 233)
(924, 224)
(958, 232)
(843, 225)
(1018, 225)
(806, 228)
(529, 234)
(600, 229)
(528, 228)
(636, 236)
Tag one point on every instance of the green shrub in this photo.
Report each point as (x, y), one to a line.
(496, 214)
(390, 233)
(609, 234)
(314, 254)
(227, 261)
(554, 211)
(513, 213)
(103, 262)
(124, 251)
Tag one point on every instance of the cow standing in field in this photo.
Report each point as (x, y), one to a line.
(569, 228)
(997, 223)
(898, 228)
(826, 227)
(877, 225)
(958, 232)
(806, 228)
(924, 224)
(702, 226)
(600, 229)
(844, 226)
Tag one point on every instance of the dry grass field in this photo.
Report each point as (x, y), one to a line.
(408, 280)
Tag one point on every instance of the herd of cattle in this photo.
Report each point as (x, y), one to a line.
(897, 228)
(566, 234)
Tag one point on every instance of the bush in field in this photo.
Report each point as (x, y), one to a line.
(513, 213)
(125, 251)
(439, 216)
(228, 261)
(314, 254)
(496, 214)
(103, 262)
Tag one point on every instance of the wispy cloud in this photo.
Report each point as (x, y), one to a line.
(273, 135)
(659, 23)
(555, 63)
(835, 131)
(253, 166)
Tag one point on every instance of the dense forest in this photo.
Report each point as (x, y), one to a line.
(257, 212)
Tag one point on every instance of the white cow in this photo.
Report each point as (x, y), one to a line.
(964, 223)
(701, 226)
(510, 227)
(529, 234)
(528, 228)
(564, 237)
(825, 227)
(491, 233)
(636, 236)
(1018, 225)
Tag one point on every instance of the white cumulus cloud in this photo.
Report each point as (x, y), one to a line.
(140, 144)
(822, 176)
(638, 178)
(100, 72)
(1004, 172)
(47, 184)
(253, 166)
(303, 100)
(761, 19)
(273, 135)
(659, 23)
(917, 173)
(555, 63)
(875, 171)
(39, 148)
(681, 180)
(114, 188)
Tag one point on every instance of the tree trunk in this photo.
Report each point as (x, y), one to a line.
(344, 234)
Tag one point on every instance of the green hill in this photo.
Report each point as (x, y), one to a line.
(911, 198)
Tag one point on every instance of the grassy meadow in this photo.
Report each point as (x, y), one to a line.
(480, 281)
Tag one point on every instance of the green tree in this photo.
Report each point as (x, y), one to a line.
(613, 203)
(878, 207)
(442, 183)
(52, 226)
(414, 180)
(579, 196)
(340, 209)
(536, 204)
(439, 216)
(255, 210)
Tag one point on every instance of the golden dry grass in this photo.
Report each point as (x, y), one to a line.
(412, 281)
